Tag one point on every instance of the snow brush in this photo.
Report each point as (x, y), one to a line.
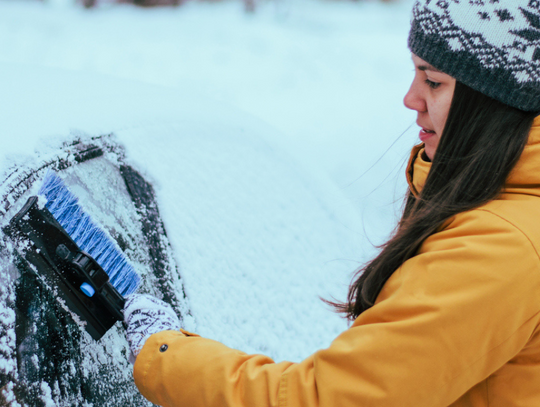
(80, 262)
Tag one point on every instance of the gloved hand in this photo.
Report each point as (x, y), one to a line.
(144, 316)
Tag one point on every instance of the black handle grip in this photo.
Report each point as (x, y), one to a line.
(60, 261)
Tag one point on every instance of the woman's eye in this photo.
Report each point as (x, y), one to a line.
(432, 85)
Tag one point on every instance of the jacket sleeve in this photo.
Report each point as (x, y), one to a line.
(446, 320)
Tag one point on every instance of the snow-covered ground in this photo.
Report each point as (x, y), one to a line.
(276, 141)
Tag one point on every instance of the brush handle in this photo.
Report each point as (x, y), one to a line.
(61, 262)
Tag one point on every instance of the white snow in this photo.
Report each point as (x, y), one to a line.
(329, 75)
(276, 141)
(47, 395)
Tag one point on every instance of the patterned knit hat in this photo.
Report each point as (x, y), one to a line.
(492, 46)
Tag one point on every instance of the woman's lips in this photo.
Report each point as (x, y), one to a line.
(426, 134)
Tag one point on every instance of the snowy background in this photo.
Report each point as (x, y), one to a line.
(329, 75)
(276, 141)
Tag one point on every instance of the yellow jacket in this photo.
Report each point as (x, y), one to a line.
(456, 325)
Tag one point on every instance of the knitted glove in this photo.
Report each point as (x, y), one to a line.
(144, 316)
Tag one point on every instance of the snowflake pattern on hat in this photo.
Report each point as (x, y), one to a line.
(500, 35)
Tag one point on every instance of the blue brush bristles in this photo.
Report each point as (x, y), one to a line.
(90, 238)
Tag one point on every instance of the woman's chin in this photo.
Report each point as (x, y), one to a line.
(430, 146)
(428, 153)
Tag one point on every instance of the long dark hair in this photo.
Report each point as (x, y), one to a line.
(482, 141)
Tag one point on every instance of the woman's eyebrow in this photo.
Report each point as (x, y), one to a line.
(427, 67)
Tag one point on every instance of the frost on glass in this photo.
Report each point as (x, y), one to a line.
(46, 356)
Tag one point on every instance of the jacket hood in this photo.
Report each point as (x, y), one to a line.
(523, 179)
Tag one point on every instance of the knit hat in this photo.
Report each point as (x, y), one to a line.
(492, 46)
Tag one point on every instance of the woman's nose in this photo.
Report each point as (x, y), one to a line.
(413, 99)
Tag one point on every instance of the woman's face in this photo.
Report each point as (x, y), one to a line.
(430, 95)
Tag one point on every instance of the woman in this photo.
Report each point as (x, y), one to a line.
(448, 313)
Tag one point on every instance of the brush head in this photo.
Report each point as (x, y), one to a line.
(65, 208)
(78, 281)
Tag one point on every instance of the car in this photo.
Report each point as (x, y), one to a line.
(240, 238)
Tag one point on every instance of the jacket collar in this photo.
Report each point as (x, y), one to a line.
(524, 178)
(417, 170)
